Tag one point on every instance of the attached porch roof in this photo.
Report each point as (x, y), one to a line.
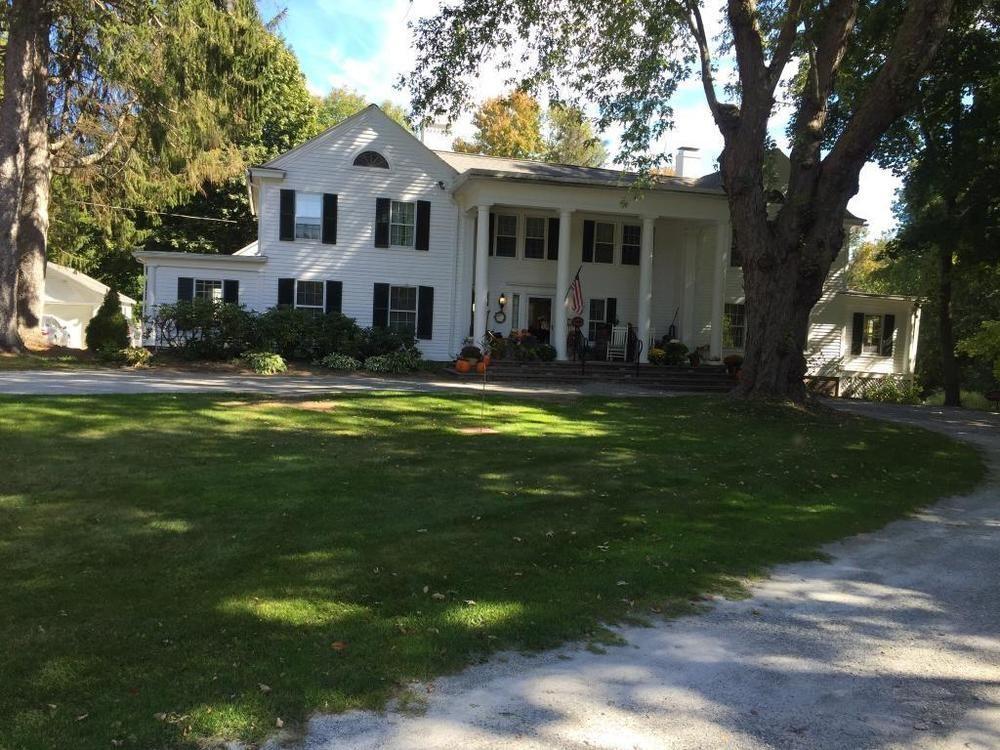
(163, 258)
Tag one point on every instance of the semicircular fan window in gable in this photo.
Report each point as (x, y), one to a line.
(371, 159)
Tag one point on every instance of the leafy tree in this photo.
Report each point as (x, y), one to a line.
(628, 58)
(508, 126)
(948, 152)
(343, 102)
(108, 329)
(571, 138)
(985, 343)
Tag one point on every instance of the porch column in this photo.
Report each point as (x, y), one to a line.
(482, 302)
(559, 327)
(692, 243)
(646, 286)
(723, 239)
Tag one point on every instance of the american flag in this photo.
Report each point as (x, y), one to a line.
(575, 294)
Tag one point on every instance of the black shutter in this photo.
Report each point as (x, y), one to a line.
(588, 241)
(382, 208)
(611, 311)
(888, 329)
(185, 289)
(334, 296)
(231, 291)
(380, 306)
(286, 292)
(423, 232)
(553, 238)
(857, 332)
(329, 219)
(493, 224)
(425, 312)
(286, 223)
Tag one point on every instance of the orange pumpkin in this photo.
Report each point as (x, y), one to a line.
(463, 365)
(481, 367)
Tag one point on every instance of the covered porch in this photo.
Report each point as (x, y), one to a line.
(655, 262)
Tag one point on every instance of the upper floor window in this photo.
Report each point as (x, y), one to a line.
(371, 159)
(631, 242)
(506, 236)
(308, 216)
(402, 223)
(534, 237)
(604, 242)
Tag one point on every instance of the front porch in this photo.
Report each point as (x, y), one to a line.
(656, 265)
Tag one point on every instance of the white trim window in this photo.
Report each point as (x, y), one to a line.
(402, 223)
(505, 236)
(631, 244)
(734, 326)
(310, 295)
(210, 289)
(308, 216)
(597, 319)
(535, 237)
(403, 309)
(871, 336)
(604, 242)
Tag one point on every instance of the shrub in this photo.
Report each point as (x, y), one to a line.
(108, 329)
(264, 363)
(394, 362)
(733, 362)
(205, 329)
(657, 356)
(674, 353)
(337, 361)
(546, 353)
(136, 356)
(306, 334)
(890, 390)
(373, 342)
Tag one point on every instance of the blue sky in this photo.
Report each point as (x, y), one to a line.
(365, 45)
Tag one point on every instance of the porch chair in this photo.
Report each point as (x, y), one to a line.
(618, 345)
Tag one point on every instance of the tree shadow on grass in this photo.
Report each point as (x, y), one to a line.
(170, 555)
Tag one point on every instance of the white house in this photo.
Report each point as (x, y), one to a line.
(367, 220)
(71, 300)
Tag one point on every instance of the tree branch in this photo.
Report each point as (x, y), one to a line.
(783, 47)
(697, 28)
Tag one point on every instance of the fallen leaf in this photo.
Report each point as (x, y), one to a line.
(279, 723)
(338, 645)
(81, 717)
(437, 597)
(264, 688)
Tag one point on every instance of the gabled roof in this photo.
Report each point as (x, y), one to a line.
(78, 277)
(275, 163)
(528, 169)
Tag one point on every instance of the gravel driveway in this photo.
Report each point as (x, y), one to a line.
(895, 644)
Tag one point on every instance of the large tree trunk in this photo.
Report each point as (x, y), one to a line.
(949, 365)
(23, 37)
(33, 228)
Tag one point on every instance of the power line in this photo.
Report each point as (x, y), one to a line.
(158, 213)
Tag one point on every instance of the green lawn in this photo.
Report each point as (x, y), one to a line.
(165, 556)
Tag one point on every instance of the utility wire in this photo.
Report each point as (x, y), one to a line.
(158, 213)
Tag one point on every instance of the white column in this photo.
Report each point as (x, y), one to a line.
(723, 239)
(646, 287)
(559, 313)
(479, 321)
(692, 242)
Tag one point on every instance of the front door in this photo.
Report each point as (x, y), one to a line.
(540, 317)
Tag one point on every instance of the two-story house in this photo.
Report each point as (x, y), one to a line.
(366, 220)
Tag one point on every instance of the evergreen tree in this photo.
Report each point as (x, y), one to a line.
(108, 329)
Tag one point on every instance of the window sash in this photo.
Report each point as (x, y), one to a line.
(604, 242)
(734, 325)
(534, 237)
(310, 295)
(210, 289)
(308, 216)
(597, 318)
(871, 337)
(631, 244)
(402, 223)
(403, 309)
(505, 239)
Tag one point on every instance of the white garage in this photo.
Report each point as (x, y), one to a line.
(71, 300)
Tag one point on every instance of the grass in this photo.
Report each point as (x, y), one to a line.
(61, 359)
(970, 400)
(179, 568)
